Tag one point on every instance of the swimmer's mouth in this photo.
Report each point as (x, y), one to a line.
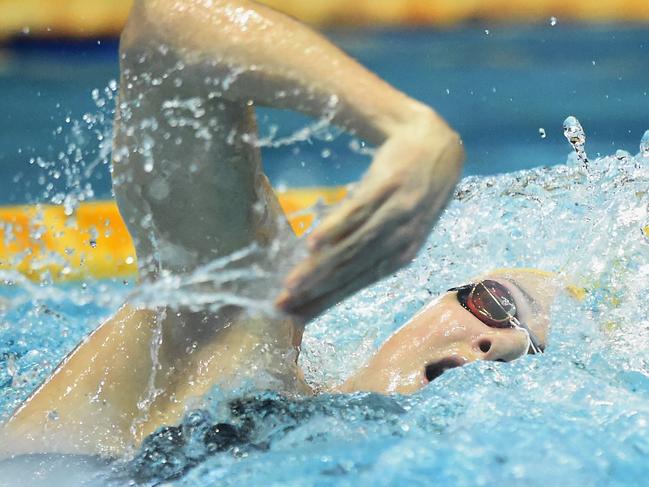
(434, 369)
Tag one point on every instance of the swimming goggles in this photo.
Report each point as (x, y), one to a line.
(493, 304)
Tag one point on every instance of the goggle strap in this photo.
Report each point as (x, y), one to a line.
(531, 337)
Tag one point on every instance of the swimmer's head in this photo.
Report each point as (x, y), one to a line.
(500, 317)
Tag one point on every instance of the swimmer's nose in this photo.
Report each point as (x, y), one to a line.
(501, 347)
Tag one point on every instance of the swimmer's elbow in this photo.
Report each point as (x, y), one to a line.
(152, 19)
(188, 21)
(443, 135)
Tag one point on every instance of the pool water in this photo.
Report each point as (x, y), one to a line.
(576, 415)
(498, 85)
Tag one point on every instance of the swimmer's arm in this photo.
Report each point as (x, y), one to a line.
(87, 406)
(270, 59)
(129, 377)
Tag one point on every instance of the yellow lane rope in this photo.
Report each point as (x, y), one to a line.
(42, 242)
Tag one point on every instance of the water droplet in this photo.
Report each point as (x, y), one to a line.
(12, 368)
(622, 155)
(645, 233)
(26, 30)
(129, 260)
(148, 165)
(575, 134)
(159, 189)
(487, 32)
(542, 133)
(146, 221)
(553, 21)
(360, 147)
(644, 145)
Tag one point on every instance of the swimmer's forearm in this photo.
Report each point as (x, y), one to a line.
(273, 60)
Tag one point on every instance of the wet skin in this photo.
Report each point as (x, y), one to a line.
(190, 186)
(442, 335)
(445, 335)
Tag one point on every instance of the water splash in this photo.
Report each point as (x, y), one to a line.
(151, 393)
(623, 155)
(204, 287)
(595, 372)
(320, 129)
(643, 157)
(644, 145)
(575, 134)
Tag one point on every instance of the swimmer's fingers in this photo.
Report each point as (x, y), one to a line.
(350, 215)
(309, 308)
(384, 183)
(398, 202)
(386, 243)
(407, 170)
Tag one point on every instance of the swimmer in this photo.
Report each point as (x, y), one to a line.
(188, 180)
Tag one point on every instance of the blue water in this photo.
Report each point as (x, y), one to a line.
(577, 415)
(502, 88)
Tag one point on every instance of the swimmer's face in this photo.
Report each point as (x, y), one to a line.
(446, 335)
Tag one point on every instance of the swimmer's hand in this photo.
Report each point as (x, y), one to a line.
(384, 224)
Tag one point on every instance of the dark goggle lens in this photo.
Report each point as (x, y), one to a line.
(492, 303)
